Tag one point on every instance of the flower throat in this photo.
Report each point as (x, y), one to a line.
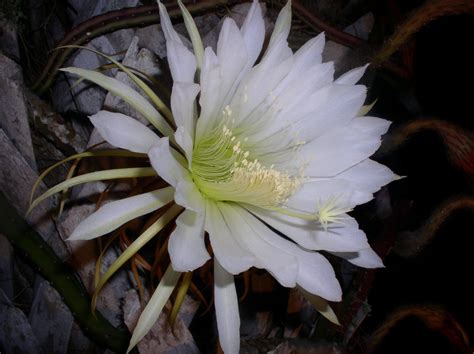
(224, 170)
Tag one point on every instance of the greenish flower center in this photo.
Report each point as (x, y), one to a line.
(225, 170)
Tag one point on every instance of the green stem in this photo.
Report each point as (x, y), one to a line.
(62, 277)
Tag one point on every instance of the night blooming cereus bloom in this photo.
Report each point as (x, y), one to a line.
(274, 145)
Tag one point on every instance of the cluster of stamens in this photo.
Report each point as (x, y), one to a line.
(224, 170)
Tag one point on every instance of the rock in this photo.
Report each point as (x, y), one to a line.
(9, 39)
(54, 138)
(188, 310)
(16, 180)
(86, 97)
(160, 339)
(9, 69)
(87, 9)
(50, 320)
(143, 60)
(6, 267)
(16, 335)
(14, 112)
(84, 256)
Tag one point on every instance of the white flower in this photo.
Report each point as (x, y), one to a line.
(272, 145)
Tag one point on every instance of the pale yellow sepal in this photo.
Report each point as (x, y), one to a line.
(95, 176)
(154, 307)
(193, 34)
(128, 94)
(364, 110)
(136, 245)
(120, 153)
(153, 97)
(321, 305)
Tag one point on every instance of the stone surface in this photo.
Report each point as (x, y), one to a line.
(161, 338)
(16, 335)
(9, 39)
(14, 112)
(87, 9)
(16, 181)
(50, 320)
(144, 61)
(86, 97)
(6, 267)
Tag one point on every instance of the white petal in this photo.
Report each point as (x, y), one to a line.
(282, 24)
(368, 176)
(352, 76)
(338, 150)
(181, 61)
(371, 125)
(227, 310)
(253, 32)
(115, 214)
(310, 53)
(211, 96)
(182, 105)
(166, 25)
(256, 87)
(365, 258)
(227, 250)
(270, 253)
(163, 158)
(320, 192)
(124, 132)
(189, 196)
(185, 142)
(316, 275)
(186, 244)
(232, 56)
(331, 106)
(342, 237)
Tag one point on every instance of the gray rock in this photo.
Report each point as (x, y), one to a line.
(14, 112)
(16, 180)
(84, 256)
(50, 320)
(86, 97)
(152, 38)
(9, 39)
(6, 267)
(9, 69)
(16, 335)
(90, 8)
(143, 60)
